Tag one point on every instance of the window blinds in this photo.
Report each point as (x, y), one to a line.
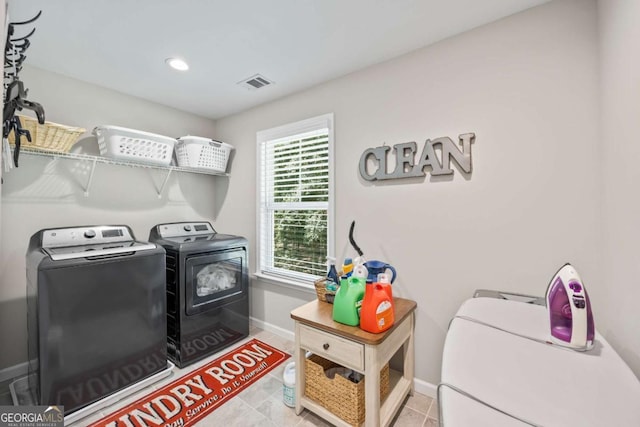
(294, 204)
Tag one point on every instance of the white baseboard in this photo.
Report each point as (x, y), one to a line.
(421, 386)
(269, 327)
(425, 388)
(15, 371)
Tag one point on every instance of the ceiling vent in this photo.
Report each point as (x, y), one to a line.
(255, 82)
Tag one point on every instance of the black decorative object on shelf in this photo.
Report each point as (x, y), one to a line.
(15, 94)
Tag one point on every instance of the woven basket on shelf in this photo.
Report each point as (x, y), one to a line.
(321, 289)
(339, 395)
(48, 137)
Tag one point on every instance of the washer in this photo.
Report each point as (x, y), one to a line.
(96, 306)
(207, 289)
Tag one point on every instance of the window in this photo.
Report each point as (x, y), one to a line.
(295, 206)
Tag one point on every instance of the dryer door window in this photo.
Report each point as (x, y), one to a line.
(215, 279)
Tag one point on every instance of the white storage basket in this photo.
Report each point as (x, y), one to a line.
(134, 145)
(203, 153)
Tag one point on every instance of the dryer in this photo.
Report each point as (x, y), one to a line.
(96, 313)
(207, 289)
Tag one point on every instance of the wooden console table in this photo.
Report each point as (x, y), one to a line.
(359, 350)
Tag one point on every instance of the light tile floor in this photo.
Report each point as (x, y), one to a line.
(261, 405)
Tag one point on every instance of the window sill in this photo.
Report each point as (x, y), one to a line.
(287, 283)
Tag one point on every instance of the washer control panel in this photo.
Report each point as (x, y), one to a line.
(79, 236)
(185, 229)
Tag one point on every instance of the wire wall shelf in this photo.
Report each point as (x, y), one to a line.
(94, 160)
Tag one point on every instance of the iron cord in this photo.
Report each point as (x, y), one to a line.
(352, 241)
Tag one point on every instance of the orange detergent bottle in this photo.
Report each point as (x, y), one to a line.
(377, 313)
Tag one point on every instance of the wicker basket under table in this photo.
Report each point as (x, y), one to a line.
(339, 395)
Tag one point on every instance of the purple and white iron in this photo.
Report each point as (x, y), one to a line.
(570, 315)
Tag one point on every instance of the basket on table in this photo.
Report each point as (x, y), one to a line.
(203, 153)
(134, 145)
(49, 136)
(339, 395)
(322, 292)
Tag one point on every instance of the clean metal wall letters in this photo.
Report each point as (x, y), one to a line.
(408, 166)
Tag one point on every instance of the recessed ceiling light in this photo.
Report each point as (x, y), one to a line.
(177, 64)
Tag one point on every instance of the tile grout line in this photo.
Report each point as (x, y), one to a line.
(429, 408)
(426, 413)
(416, 411)
(261, 414)
(302, 417)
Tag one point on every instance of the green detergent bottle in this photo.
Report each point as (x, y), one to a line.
(348, 300)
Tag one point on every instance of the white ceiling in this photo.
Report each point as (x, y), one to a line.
(122, 44)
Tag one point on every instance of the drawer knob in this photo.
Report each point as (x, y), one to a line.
(325, 346)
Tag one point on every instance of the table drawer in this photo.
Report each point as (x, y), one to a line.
(333, 347)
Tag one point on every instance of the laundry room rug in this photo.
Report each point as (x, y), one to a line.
(196, 394)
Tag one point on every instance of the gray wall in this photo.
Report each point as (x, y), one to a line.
(620, 105)
(528, 87)
(44, 193)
